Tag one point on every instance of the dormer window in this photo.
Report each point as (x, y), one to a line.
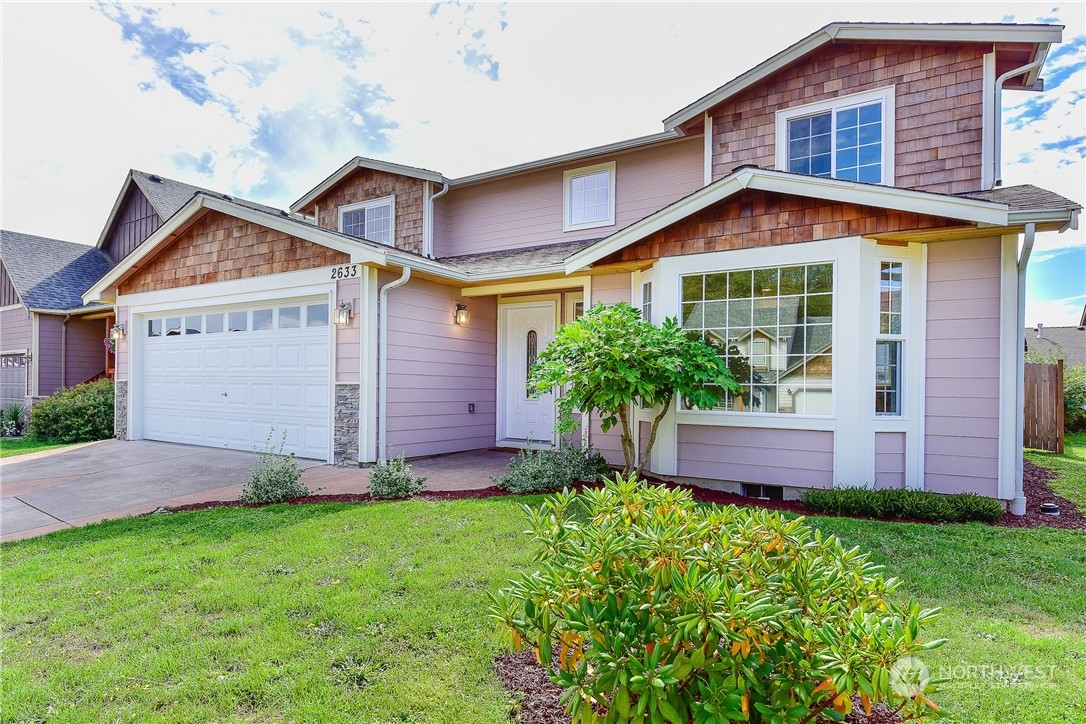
(849, 138)
(589, 197)
(372, 220)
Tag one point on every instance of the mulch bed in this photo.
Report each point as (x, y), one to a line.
(538, 697)
(1035, 485)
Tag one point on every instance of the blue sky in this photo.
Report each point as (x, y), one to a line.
(263, 100)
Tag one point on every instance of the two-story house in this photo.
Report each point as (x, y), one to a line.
(832, 220)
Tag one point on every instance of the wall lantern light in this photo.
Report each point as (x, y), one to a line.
(461, 317)
(343, 314)
(116, 332)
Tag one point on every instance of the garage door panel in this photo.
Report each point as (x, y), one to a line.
(231, 390)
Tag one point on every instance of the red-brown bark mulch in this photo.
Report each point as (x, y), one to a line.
(1035, 488)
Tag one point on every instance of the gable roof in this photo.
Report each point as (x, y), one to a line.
(1041, 35)
(50, 274)
(362, 162)
(978, 211)
(167, 196)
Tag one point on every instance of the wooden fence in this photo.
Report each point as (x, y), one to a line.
(1044, 407)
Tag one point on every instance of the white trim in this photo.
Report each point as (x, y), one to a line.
(389, 201)
(987, 124)
(370, 163)
(708, 134)
(915, 437)
(941, 33)
(367, 375)
(13, 352)
(567, 208)
(1009, 442)
(9, 307)
(606, 149)
(268, 287)
(360, 252)
(886, 96)
(887, 197)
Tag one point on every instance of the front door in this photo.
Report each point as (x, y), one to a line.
(525, 329)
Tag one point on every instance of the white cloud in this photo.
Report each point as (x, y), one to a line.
(1064, 312)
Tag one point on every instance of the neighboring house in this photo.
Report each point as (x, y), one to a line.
(49, 339)
(1066, 343)
(834, 215)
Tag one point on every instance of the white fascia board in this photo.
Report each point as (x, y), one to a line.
(887, 197)
(1018, 218)
(887, 32)
(78, 311)
(632, 143)
(370, 163)
(116, 209)
(359, 253)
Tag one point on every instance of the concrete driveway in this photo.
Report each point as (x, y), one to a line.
(114, 478)
(48, 491)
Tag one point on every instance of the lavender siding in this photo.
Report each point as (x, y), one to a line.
(801, 458)
(85, 355)
(961, 442)
(526, 210)
(348, 344)
(16, 330)
(48, 352)
(135, 221)
(436, 368)
(889, 460)
(8, 295)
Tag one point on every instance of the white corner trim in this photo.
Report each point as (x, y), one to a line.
(885, 95)
(888, 197)
(708, 134)
(987, 124)
(360, 252)
(1010, 445)
(567, 207)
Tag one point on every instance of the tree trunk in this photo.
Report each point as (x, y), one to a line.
(627, 441)
(652, 438)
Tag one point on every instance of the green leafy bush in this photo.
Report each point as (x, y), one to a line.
(81, 414)
(395, 478)
(275, 477)
(648, 608)
(912, 504)
(1074, 398)
(545, 471)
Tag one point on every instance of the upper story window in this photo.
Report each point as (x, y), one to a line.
(851, 138)
(589, 197)
(372, 220)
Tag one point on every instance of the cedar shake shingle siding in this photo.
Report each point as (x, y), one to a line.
(220, 248)
(764, 218)
(938, 96)
(368, 184)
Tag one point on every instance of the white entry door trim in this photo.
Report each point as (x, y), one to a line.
(523, 420)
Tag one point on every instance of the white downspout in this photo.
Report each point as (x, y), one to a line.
(382, 366)
(1018, 504)
(428, 226)
(997, 154)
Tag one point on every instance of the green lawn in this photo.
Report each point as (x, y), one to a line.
(375, 613)
(1070, 468)
(23, 445)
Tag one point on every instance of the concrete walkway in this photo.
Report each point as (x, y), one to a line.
(113, 479)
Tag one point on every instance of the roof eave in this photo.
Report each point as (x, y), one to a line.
(359, 162)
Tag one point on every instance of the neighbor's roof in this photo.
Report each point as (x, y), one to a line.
(168, 196)
(1069, 340)
(50, 274)
(1041, 35)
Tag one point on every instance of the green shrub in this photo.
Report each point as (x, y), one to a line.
(81, 414)
(12, 419)
(1074, 398)
(275, 477)
(912, 504)
(648, 608)
(544, 470)
(395, 478)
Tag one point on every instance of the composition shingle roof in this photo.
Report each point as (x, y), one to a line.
(512, 260)
(169, 196)
(49, 273)
(1025, 197)
(1070, 341)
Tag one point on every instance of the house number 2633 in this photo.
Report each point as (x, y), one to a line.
(347, 271)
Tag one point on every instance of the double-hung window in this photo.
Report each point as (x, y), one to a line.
(373, 220)
(850, 138)
(589, 197)
(890, 339)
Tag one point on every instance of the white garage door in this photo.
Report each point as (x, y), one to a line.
(230, 377)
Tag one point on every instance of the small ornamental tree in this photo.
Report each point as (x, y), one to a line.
(611, 358)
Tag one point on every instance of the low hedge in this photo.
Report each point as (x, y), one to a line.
(81, 414)
(912, 504)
